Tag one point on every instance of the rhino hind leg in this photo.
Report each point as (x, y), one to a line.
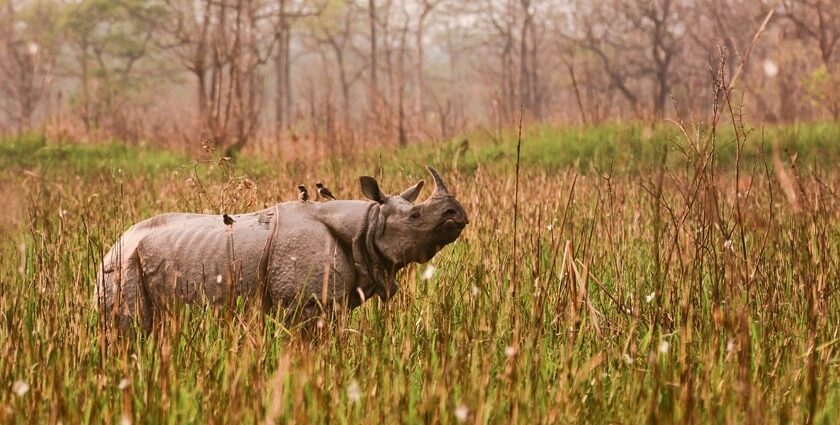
(121, 295)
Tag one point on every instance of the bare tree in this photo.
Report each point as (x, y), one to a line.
(634, 41)
(335, 31)
(26, 63)
(528, 66)
(374, 62)
(426, 8)
(224, 44)
(289, 11)
(501, 20)
(819, 21)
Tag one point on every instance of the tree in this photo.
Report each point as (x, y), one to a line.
(819, 21)
(289, 12)
(28, 44)
(634, 41)
(334, 30)
(374, 59)
(426, 8)
(223, 44)
(109, 42)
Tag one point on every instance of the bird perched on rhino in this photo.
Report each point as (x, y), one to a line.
(228, 220)
(303, 195)
(324, 193)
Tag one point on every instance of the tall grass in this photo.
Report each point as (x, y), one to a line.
(653, 291)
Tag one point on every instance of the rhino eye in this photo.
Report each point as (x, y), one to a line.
(415, 214)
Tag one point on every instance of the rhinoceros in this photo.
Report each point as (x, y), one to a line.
(307, 257)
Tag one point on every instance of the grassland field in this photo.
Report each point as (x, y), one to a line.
(657, 276)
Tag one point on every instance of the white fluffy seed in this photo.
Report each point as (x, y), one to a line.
(20, 388)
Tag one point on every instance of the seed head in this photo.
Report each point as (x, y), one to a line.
(20, 387)
(462, 413)
(510, 351)
(354, 392)
(429, 273)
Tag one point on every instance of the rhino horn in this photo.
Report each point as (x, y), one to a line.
(440, 187)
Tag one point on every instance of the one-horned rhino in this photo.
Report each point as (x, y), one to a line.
(304, 256)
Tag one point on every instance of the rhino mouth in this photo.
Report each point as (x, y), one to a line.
(447, 232)
(451, 226)
(451, 223)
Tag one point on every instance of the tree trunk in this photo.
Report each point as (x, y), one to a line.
(345, 83)
(661, 94)
(419, 81)
(201, 80)
(536, 93)
(280, 85)
(401, 130)
(86, 115)
(525, 95)
(199, 66)
(374, 84)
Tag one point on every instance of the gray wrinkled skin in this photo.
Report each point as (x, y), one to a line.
(302, 256)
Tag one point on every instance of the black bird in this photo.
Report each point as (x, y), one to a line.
(324, 192)
(303, 195)
(228, 220)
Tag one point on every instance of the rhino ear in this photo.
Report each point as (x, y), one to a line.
(370, 188)
(413, 192)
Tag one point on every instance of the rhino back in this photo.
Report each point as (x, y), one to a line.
(195, 257)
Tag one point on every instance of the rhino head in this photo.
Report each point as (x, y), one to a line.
(415, 232)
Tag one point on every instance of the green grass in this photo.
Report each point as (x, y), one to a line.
(696, 306)
(616, 147)
(35, 152)
(625, 147)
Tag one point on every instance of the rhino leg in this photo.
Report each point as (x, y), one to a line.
(121, 295)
